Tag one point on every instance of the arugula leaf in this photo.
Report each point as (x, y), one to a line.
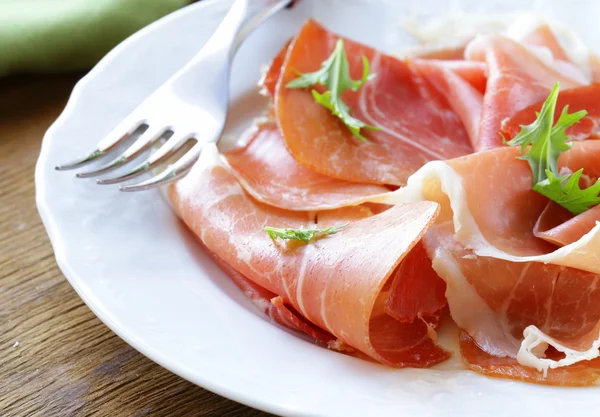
(304, 235)
(566, 192)
(546, 143)
(335, 75)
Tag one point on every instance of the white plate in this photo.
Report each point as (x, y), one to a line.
(143, 274)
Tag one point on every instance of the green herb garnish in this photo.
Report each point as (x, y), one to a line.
(304, 235)
(335, 75)
(566, 192)
(546, 143)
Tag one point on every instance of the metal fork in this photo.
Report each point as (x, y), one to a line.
(189, 109)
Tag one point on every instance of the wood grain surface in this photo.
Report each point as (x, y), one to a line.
(56, 357)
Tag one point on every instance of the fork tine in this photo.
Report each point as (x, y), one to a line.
(178, 170)
(143, 142)
(110, 141)
(171, 146)
(97, 153)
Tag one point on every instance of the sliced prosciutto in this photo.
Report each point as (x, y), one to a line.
(542, 36)
(567, 49)
(274, 307)
(559, 226)
(338, 283)
(581, 374)
(465, 98)
(454, 52)
(416, 276)
(580, 98)
(516, 295)
(269, 173)
(416, 120)
(556, 224)
(472, 72)
(517, 78)
(271, 76)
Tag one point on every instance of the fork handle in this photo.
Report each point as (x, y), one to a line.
(243, 17)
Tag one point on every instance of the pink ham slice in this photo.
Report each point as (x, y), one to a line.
(269, 173)
(580, 98)
(559, 226)
(472, 72)
(416, 120)
(464, 97)
(454, 52)
(543, 36)
(517, 78)
(556, 224)
(275, 308)
(416, 276)
(271, 77)
(338, 283)
(506, 288)
(578, 375)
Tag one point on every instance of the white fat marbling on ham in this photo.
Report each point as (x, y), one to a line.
(535, 343)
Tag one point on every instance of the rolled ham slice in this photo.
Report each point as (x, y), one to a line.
(274, 307)
(339, 283)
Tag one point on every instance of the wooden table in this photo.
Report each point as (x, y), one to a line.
(56, 357)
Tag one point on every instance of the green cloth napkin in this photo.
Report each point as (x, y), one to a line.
(67, 35)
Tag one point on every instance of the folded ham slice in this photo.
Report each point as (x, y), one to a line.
(451, 52)
(269, 81)
(269, 173)
(542, 36)
(338, 283)
(558, 43)
(556, 224)
(513, 293)
(517, 78)
(274, 307)
(472, 72)
(580, 98)
(559, 226)
(416, 120)
(580, 374)
(465, 98)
